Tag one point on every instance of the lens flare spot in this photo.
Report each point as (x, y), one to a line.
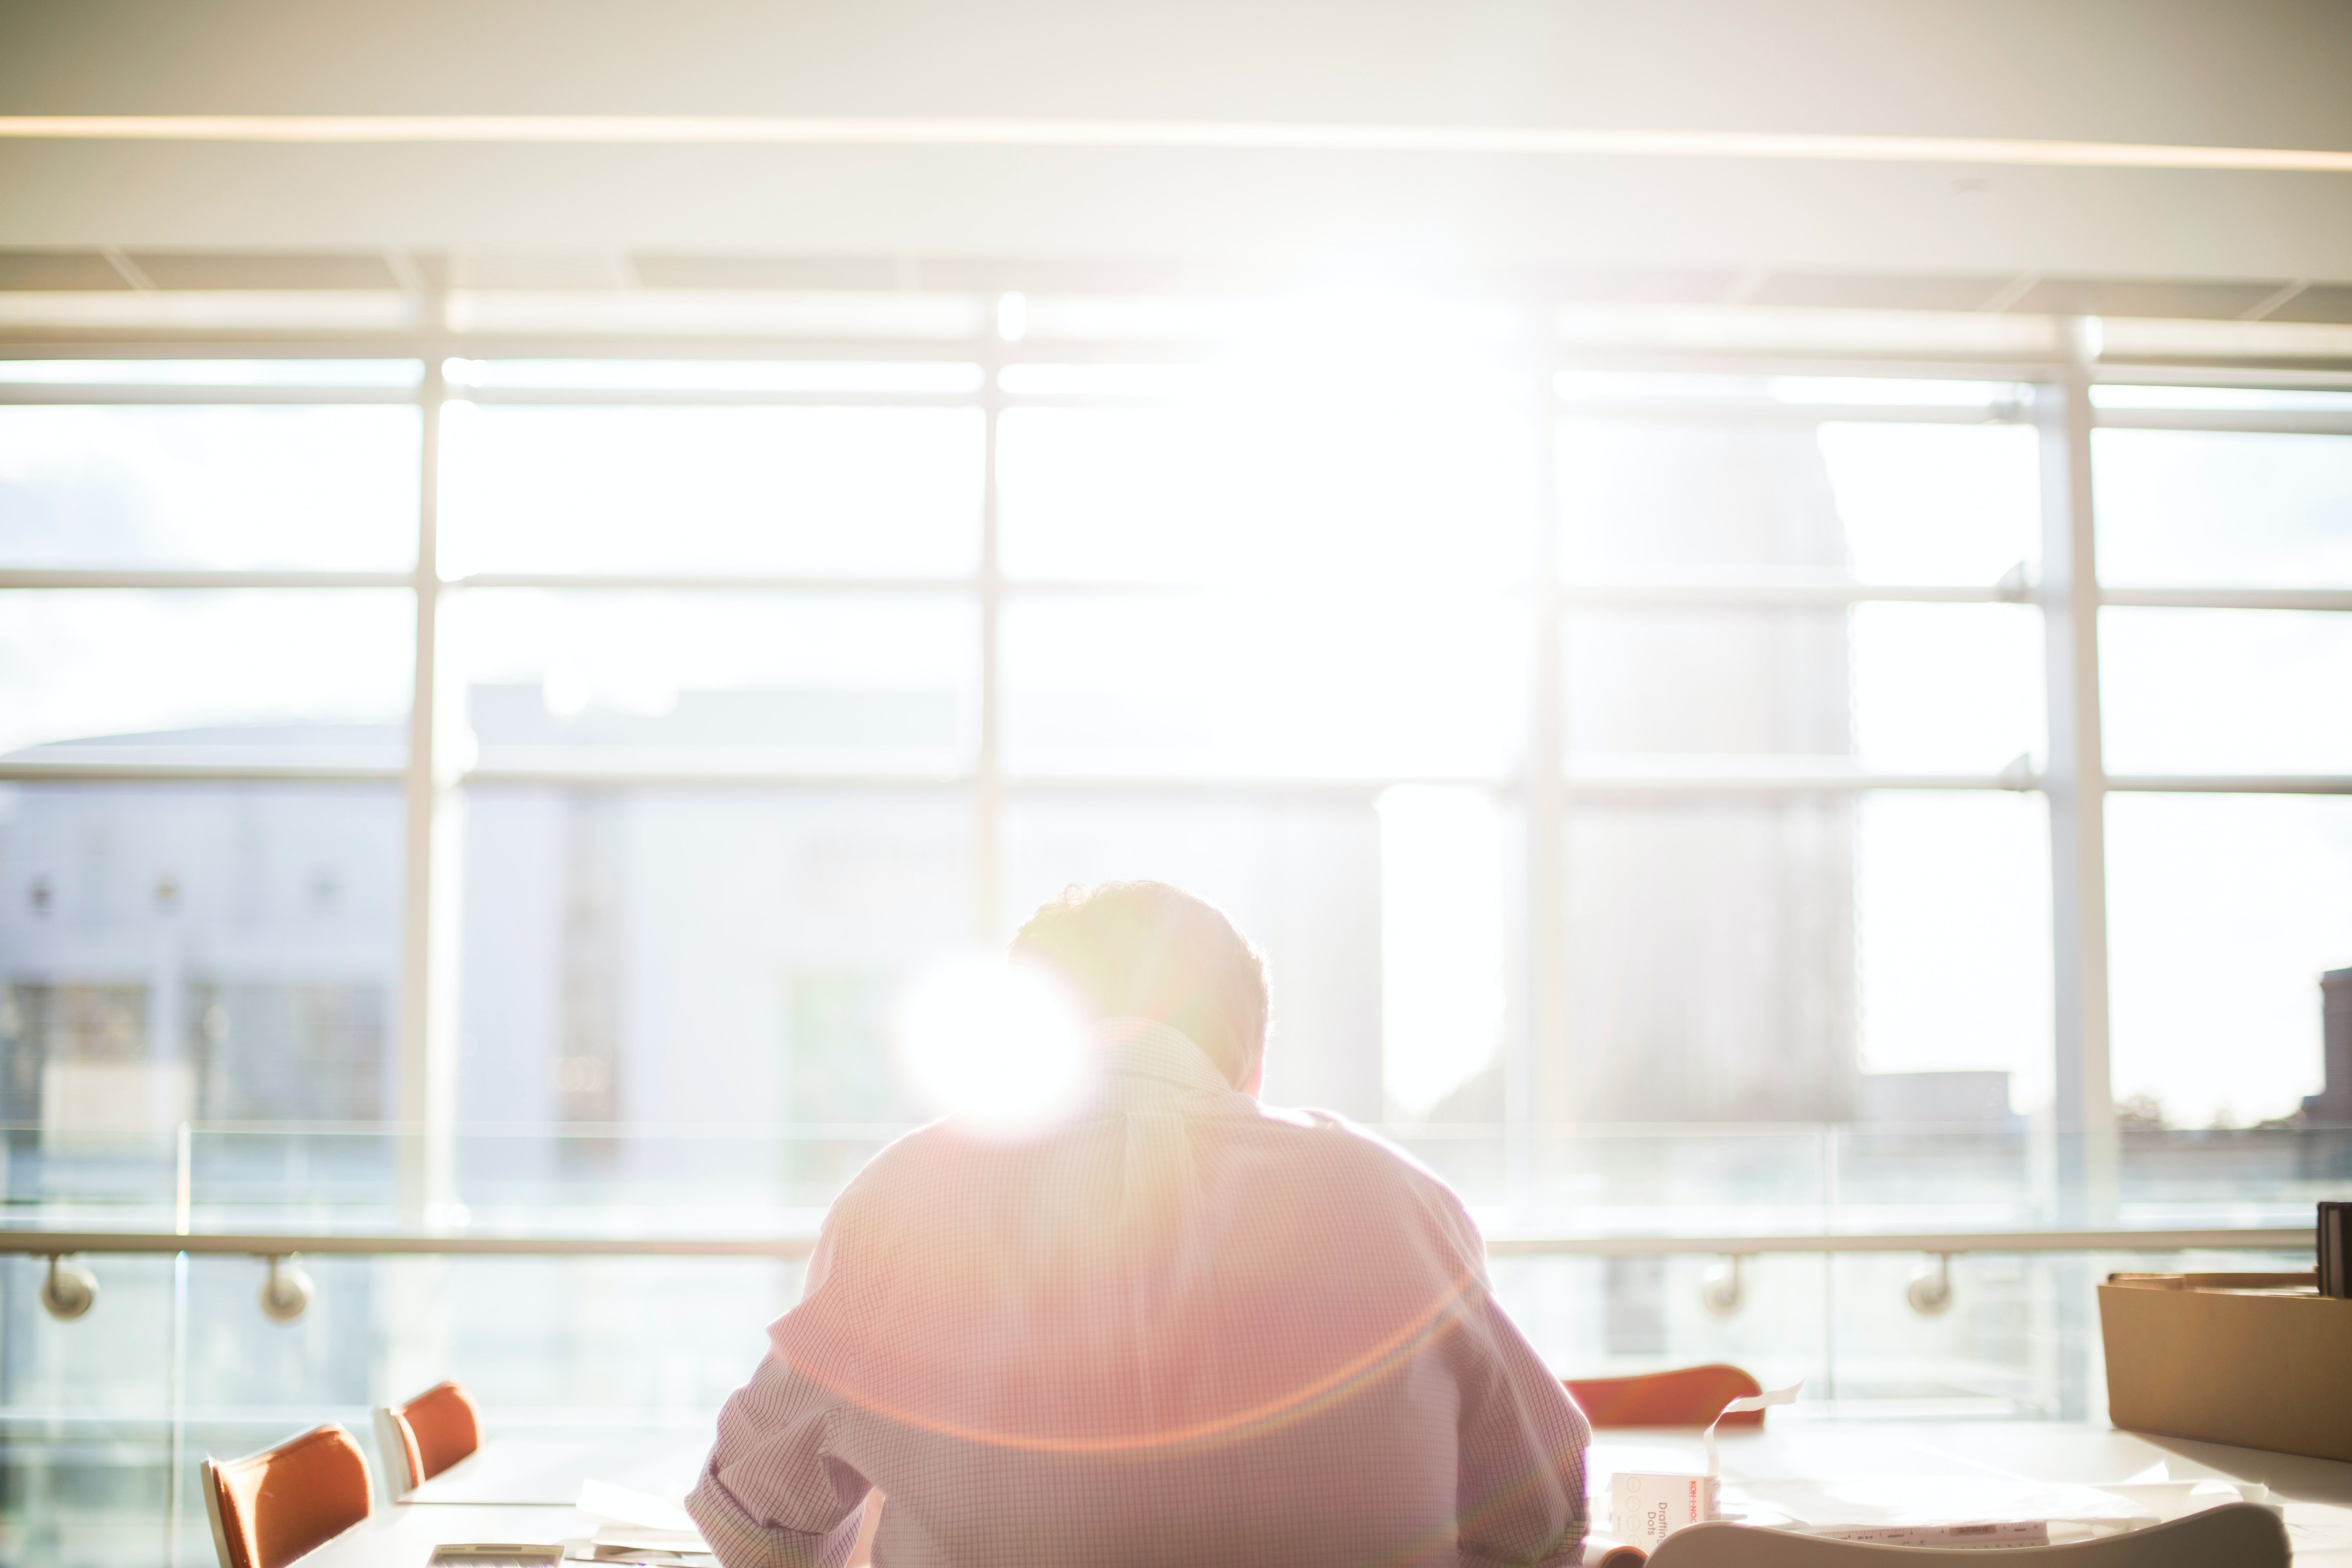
(999, 1044)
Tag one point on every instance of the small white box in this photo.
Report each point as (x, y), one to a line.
(1645, 1508)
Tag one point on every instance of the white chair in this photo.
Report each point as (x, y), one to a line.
(2239, 1535)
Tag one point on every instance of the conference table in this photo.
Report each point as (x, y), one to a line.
(524, 1487)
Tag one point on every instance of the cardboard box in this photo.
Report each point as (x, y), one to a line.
(2262, 1361)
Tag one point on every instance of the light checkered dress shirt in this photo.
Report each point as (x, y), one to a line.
(1182, 1330)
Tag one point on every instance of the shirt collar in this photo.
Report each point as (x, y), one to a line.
(1145, 1047)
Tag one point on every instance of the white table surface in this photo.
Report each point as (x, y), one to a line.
(2316, 1493)
(546, 1468)
(405, 1537)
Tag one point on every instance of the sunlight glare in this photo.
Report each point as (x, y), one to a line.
(1441, 941)
(998, 1043)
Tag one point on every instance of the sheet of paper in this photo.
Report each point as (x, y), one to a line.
(1751, 1402)
(1884, 1502)
(637, 1536)
(640, 1555)
(609, 1504)
(1946, 1537)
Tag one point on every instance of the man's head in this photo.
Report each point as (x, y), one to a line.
(1145, 950)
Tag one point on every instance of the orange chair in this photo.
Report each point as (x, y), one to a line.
(1688, 1396)
(271, 1508)
(427, 1436)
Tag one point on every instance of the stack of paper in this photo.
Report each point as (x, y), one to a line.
(635, 1526)
(1956, 1510)
(652, 1548)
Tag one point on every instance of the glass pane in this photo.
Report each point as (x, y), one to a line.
(371, 373)
(1956, 686)
(1881, 958)
(718, 374)
(1196, 684)
(88, 1418)
(1276, 481)
(1599, 1316)
(2229, 691)
(1952, 930)
(879, 491)
(2235, 399)
(1897, 686)
(2225, 509)
(1099, 493)
(1980, 399)
(650, 961)
(1443, 911)
(293, 675)
(1936, 503)
(1301, 880)
(170, 952)
(204, 485)
(1711, 961)
(715, 682)
(2222, 911)
(1884, 503)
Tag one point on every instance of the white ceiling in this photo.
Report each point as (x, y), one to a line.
(2258, 73)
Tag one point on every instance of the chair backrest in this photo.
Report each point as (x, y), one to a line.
(1688, 1396)
(270, 1508)
(2241, 1535)
(427, 1436)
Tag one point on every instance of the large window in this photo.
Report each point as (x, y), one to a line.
(759, 683)
(513, 788)
(2229, 550)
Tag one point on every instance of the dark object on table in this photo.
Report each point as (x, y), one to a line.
(2336, 1250)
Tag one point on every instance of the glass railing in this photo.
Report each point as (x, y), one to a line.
(1681, 1178)
(103, 1416)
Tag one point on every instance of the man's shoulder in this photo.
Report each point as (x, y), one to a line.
(1329, 1139)
(1328, 1165)
(917, 1156)
(942, 1169)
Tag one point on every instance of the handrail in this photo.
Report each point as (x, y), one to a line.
(281, 1244)
(1931, 1241)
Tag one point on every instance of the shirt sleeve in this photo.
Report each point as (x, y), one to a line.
(771, 1494)
(1520, 1439)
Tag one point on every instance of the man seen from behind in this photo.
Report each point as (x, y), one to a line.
(1178, 1330)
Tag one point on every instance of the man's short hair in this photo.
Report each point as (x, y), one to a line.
(1148, 949)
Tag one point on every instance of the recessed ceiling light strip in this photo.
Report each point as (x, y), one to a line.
(1237, 135)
